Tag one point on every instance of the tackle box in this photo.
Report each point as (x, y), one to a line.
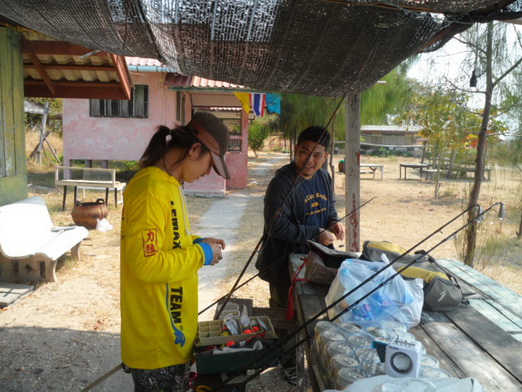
(209, 334)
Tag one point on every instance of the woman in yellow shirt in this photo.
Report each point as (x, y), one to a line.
(160, 257)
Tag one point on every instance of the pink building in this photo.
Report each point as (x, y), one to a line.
(120, 130)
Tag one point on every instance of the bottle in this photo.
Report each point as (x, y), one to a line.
(225, 331)
(255, 325)
(363, 312)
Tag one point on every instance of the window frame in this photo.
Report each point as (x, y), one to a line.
(136, 107)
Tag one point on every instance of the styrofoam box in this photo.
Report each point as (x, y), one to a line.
(209, 332)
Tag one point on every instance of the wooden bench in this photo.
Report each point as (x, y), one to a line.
(461, 170)
(30, 244)
(88, 178)
(429, 172)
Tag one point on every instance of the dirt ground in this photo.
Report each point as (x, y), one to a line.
(66, 334)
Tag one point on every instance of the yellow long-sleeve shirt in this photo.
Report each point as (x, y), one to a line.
(159, 281)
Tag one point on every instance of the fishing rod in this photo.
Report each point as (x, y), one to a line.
(295, 185)
(235, 287)
(287, 338)
(236, 284)
(294, 189)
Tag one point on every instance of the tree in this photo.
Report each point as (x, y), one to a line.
(445, 122)
(260, 129)
(381, 103)
(493, 57)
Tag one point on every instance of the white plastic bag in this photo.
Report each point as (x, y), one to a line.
(409, 384)
(103, 225)
(397, 300)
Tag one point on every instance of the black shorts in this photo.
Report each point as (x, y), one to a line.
(168, 379)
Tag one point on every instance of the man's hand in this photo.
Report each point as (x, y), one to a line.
(337, 228)
(326, 237)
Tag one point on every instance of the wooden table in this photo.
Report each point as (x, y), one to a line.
(373, 168)
(411, 166)
(481, 340)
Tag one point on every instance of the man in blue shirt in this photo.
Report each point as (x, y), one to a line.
(299, 206)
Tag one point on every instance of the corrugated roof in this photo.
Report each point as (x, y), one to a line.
(141, 61)
(389, 128)
(178, 81)
(59, 69)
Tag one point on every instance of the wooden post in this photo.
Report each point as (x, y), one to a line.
(42, 134)
(352, 171)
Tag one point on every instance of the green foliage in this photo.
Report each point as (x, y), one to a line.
(380, 152)
(444, 120)
(260, 129)
(77, 162)
(378, 105)
(298, 112)
(382, 102)
(131, 165)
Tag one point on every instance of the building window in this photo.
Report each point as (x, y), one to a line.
(137, 107)
(234, 145)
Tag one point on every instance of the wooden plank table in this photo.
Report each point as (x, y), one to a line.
(373, 168)
(481, 340)
(411, 166)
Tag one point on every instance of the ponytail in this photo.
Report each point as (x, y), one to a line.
(164, 139)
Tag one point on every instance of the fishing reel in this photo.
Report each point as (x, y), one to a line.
(401, 357)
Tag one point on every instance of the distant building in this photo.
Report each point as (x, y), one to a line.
(119, 130)
(391, 136)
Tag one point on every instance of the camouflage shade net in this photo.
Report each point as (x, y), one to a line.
(315, 47)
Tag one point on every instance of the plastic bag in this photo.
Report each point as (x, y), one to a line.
(103, 225)
(397, 300)
(408, 384)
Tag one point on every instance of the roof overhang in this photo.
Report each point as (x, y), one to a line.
(58, 69)
(205, 92)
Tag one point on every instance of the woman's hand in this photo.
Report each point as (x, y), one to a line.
(217, 246)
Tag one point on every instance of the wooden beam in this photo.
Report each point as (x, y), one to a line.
(72, 67)
(352, 171)
(80, 84)
(123, 74)
(78, 91)
(43, 74)
(56, 48)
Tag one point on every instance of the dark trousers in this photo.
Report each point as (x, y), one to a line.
(279, 299)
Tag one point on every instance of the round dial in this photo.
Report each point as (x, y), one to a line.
(401, 362)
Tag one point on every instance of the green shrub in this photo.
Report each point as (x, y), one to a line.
(381, 152)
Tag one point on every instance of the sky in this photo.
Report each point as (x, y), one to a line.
(449, 63)
(444, 63)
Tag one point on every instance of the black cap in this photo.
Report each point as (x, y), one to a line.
(213, 134)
